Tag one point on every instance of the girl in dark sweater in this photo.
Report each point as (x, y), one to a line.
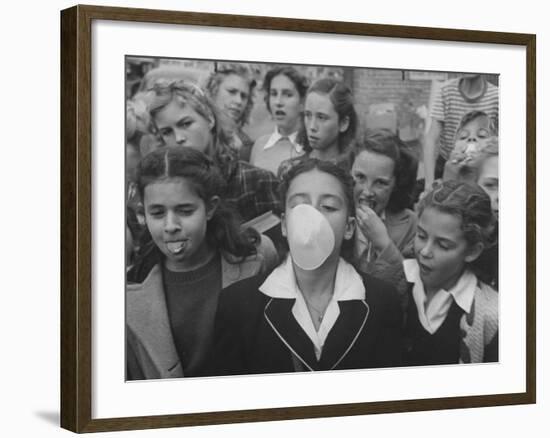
(197, 249)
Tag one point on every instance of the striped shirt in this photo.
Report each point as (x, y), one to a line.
(450, 105)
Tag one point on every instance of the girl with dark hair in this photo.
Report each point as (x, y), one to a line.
(284, 92)
(330, 120)
(315, 311)
(384, 173)
(182, 115)
(198, 250)
(452, 316)
(231, 88)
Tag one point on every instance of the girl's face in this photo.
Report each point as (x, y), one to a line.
(180, 125)
(232, 96)
(324, 192)
(374, 180)
(488, 180)
(285, 103)
(473, 134)
(322, 122)
(176, 218)
(441, 249)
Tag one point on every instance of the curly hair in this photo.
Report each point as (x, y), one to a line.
(469, 203)
(223, 229)
(341, 97)
(385, 142)
(299, 81)
(216, 78)
(187, 93)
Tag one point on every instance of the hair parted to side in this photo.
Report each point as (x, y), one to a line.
(223, 230)
(385, 142)
(297, 78)
(216, 78)
(186, 93)
(341, 97)
(303, 165)
(468, 202)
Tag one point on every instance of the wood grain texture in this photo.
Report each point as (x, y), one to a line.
(76, 223)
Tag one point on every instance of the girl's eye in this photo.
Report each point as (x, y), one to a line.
(420, 236)
(165, 132)
(186, 211)
(273, 93)
(288, 94)
(185, 124)
(329, 208)
(463, 134)
(483, 133)
(308, 115)
(381, 183)
(156, 213)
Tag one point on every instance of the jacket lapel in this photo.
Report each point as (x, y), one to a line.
(349, 325)
(278, 314)
(147, 317)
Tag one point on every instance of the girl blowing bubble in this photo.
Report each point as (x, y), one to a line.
(314, 311)
(199, 250)
(452, 316)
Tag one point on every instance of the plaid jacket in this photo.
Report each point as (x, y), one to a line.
(251, 190)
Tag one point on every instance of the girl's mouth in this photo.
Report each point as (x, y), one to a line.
(279, 113)
(177, 247)
(367, 202)
(424, 270)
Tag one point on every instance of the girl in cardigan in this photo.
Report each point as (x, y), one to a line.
(452, 316)
(199, 250)
(314, 311)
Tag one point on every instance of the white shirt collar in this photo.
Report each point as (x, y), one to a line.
(348, 285)
(433, 316)
(276, 136)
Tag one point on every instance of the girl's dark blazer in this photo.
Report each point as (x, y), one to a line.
(255, 333)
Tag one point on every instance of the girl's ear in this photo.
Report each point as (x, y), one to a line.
(212, 206)
(474, 251)
(350, 228)
(283, 225)
(344, 124)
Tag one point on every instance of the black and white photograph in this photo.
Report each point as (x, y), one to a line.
(287, 218)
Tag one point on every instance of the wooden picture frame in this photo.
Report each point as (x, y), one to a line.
(76, 218)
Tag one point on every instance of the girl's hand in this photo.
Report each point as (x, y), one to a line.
(372, 227)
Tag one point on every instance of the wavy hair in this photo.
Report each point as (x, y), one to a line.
(469, 203)
(385, 142)
(297, 78)
(341, 97)
(216, 78)
(186, 93)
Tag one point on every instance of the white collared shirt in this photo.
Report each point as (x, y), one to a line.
(276, 136)
(348, 285)
(432, 316)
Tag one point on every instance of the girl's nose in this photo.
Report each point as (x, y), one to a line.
(180, 136)
(171, 223)
(426, 250)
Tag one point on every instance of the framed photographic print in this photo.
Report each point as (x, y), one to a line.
(304, 220)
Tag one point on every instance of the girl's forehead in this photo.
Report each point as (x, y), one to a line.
(316, 183)
(441, 223)
(282, 81)
(170, 188)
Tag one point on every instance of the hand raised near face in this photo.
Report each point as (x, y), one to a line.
(372, 227)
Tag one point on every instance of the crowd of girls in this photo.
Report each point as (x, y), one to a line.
(304, 249)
